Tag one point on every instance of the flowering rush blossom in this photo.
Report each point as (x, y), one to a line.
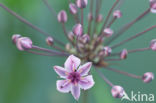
(93, 46)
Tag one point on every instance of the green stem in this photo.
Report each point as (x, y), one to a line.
(85, 97)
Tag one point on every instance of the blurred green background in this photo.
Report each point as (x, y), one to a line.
(28, 78)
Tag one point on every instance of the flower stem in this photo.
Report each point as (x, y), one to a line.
(85, 97)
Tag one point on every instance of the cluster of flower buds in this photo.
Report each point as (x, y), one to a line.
(90, 46)
(22, 43)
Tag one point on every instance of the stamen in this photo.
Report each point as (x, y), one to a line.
(127, 26)
(104, 78)
(133, 37)
(124, 73)
(29, 24)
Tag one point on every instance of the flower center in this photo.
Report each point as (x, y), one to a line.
(74, 77)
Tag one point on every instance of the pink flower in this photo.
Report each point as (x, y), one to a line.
(75, 75)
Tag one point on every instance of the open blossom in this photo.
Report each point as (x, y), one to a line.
(75, 76)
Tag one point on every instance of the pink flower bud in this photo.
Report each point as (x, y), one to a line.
(90, 17)
(24, 43)
(117, 92)
(62, 16)
(153, 6)
(117, 14)
(107, 51)
(73, 8)
(99, 18)
(15, 37)
(108, 32)
(148, 77)
(71, 36)
(78, 30)
(85, 38)
(153, 45)
(49, 41)
(81, 3)
(123, 54)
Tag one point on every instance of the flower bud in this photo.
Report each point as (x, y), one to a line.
(24, 43)
(78, 30)
(153, 45)
(117, 91)
(153, 6)
(15, 37)
(68, 47)
(73, 8)
(117, 14)
(90, 16)
(81, 3)
(62, 16)
(99, 18)
(71, 36)
(49, 41)
(106, 51)
(148, 77)
(108, 32)
(123, 54)
(85, 38)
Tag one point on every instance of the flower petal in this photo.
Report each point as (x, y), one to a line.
(75, 91)
(87, 82)
(72, 63)
(84, 69)
(63, 86)
(61, 71)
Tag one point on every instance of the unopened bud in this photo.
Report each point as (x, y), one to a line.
(117, 14)
(68, 47)
(49, 41)
(15, 37)
(71, 36)
(81, 3)
(107, 51)
(108, 32)
(148, 77)
(123, 54)
(99, 18)
(24, 43)
(153, 45)
(117, 92)
(90, 17)
(62, 16)
(78, 30)
(73, 8)
(85, 38)
(153, 6)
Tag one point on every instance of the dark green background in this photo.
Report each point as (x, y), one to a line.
(28, 78)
